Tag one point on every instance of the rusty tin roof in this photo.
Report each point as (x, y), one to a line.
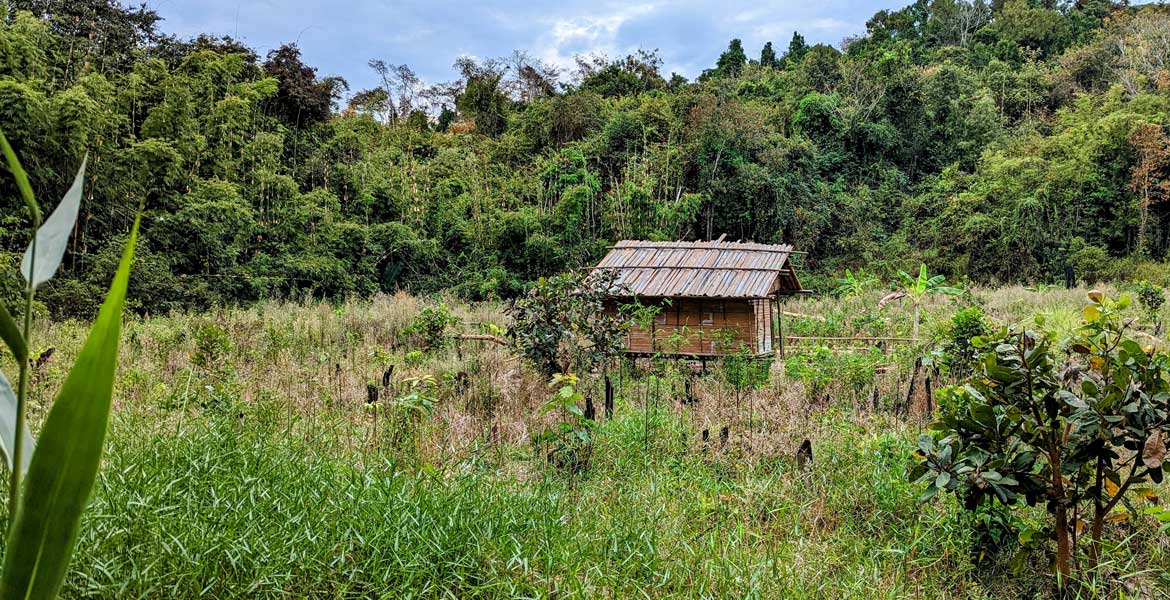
(702, 269)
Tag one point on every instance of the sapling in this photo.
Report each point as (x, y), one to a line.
(1080, 428)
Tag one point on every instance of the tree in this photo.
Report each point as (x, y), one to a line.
(101, 35)
(797, 48)
(1149, 177)
(481, 99)
(302, 99)
(636, 73)
(730, 63)
(1078, 434)
(563, 326)
(529, 78)
(768, 58)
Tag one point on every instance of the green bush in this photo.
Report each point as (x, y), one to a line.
(1151, 297)
(966, 324)
(429, 329)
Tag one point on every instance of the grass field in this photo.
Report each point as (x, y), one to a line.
(244, 461)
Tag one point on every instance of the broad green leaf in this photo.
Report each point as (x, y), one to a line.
(11, 335)
(65, 464)
(53, 236)
(21, 180)
(8, 427)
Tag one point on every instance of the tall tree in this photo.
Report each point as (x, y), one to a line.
(768, 58)
(1149, 178)
(729, 64)
(302, 99)
(482, 99)
(797, 48)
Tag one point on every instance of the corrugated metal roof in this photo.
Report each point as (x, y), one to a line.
(702, 269)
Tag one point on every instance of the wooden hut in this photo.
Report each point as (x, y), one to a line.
(715, 297)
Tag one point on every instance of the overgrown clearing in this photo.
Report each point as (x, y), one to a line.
(245, 460)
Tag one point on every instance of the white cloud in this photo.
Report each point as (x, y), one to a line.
(566, 37)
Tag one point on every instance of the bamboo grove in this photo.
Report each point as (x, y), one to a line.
(999, 141)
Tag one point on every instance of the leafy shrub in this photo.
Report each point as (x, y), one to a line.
(1151, 297)
(820, 368)
(564, 324)
(966, 324)
(429, 328)
(743, 370)
(1090, 263)
(1080, 434)
(570, 444)
(212, 345)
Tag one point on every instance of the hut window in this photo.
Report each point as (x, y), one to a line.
(711, 309)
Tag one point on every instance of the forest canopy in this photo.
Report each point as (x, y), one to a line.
(999, 141)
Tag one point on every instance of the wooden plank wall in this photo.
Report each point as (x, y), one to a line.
(696, 327)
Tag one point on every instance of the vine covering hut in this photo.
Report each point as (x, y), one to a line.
(713, 297)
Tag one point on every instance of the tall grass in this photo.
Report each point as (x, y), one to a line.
(236, 509)
(247, 465)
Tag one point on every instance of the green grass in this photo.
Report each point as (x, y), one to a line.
(234, 508)
(245, 466)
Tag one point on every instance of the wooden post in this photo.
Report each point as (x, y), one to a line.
(780, 328)
(608, 398)
(804, 454)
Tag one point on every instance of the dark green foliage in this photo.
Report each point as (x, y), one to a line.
(482, 100)
(768, 58)
(1078, 430)
(1151, 297)
(302, 100)
(730, 64)
(797, 48)
(1001, 141)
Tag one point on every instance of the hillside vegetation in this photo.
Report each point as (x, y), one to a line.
(1000, 142)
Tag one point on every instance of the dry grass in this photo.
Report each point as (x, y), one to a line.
(263, 412)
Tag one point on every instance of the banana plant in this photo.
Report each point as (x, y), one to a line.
(853, 284)
(51, 478)
(917, 289)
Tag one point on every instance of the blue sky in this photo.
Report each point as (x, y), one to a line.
(340, 37)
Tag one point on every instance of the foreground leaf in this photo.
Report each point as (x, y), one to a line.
(65, 464)
(11, 335)
(8, 407)
(21, 180)
(53, 236)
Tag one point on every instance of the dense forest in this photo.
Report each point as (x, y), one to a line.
(999, 141)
